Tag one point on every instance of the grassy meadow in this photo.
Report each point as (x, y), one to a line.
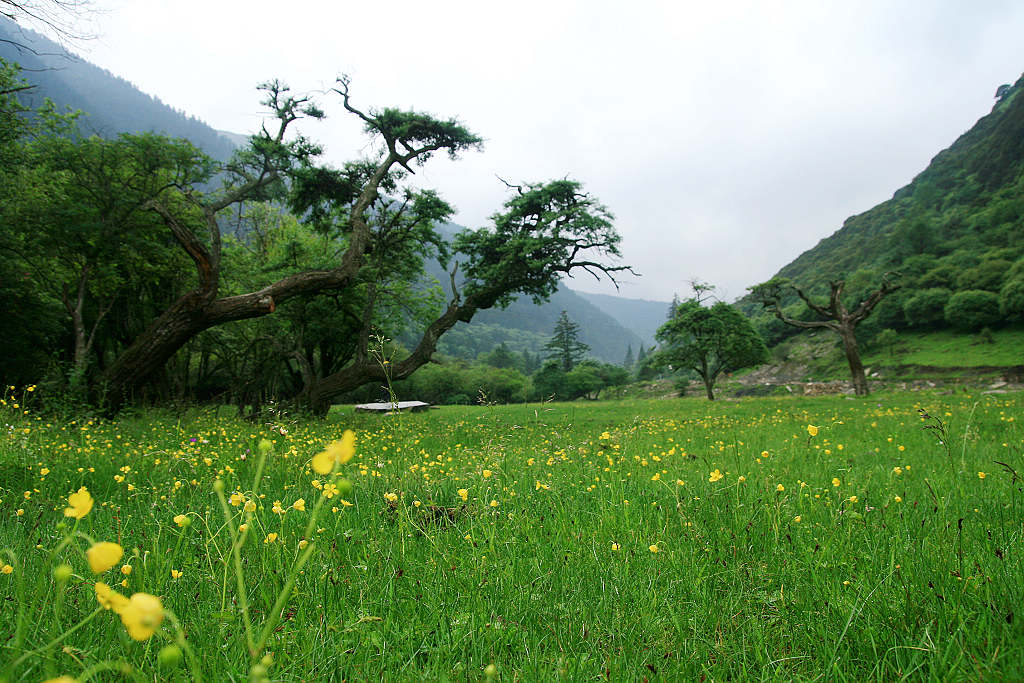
(763, 539)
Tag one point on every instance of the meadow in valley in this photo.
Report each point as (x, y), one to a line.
(762, 539)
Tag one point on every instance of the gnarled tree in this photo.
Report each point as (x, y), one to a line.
(835, 316)
(545, 231)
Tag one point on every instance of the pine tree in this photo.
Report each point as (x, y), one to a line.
(629, 360)
(565, 346)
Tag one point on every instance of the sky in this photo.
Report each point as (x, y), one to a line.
(726, 138)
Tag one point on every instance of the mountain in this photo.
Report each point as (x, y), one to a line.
(642, 316)
(111, 104)
(954, 233)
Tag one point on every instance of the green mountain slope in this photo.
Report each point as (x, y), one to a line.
(112, 105)
(639, 315)
(957, 227)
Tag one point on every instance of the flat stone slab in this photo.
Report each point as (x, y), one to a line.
(389, 407)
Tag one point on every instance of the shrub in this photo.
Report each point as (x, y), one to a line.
(1011, 300)
(927, 308)
(972, 310)
(988, 275)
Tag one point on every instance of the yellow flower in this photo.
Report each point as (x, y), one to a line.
(615, 546)
(126, 569)
(391, 497)
(897, 499)
(175, 574)
(487, 473)
(271, 537)
(494, 503)
(299, 505)
(835, 481)
(715, 476)
(61, 679)
(812, 430)
(330, 491)
(797, 519)
(79, 504)
(853, 499)
(463, 494)
(337, 453)
(780, 488)
(108, 598)
(653, 548)
(250, 506)
(6, 569)
(142, 615)
(236, 499)
(277, 509)
(303, 543)
(181, 520)
(104, 555)
(981, 475)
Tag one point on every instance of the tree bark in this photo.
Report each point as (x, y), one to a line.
(849, 339)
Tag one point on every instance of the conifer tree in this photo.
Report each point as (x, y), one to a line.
(565, 346)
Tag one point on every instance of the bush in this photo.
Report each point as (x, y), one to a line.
(928, 308)
(1011, 300)
(940, 276)
(972, 310)
(988, 275)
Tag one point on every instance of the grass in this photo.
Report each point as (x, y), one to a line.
(948, 349)
(578, 541)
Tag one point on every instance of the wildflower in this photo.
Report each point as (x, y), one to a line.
(302, 544)
(277, 509)
(6, 569)
(835, 481)
(126, 569)
(853, 499)
(236, 499)
(175, 574)
(79, 504)
(104, 555)
(330, 490)
(142, 615)
(109, 599)
(494, 503)
(764, 454)
(715, 476)
(487, 473)
(391, 497)
(182, 520)
(242, 528)
(797, 519)
(897, 499)
(680, 482)
(250, 506)
(615, 546)
(897, 470)
(741, 479)
(981, 475)
(653, 548)
(61, 679)
(812, 430)
(299, 505)
(780, 488)
(463, 494)
(20, 512)
(337, 453)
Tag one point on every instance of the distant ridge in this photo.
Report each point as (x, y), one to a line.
(112, 105)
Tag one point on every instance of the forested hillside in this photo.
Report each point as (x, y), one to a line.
(110, 104)
(955, 236)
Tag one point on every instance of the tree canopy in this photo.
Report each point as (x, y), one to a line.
(708, 340)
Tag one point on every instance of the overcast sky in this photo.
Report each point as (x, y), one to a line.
(726, 138)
